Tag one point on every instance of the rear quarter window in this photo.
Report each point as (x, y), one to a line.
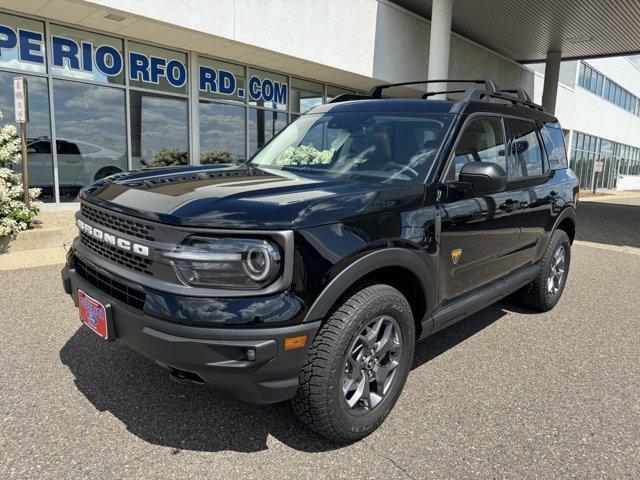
(553, 139)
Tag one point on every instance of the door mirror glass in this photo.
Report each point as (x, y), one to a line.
(483, 178)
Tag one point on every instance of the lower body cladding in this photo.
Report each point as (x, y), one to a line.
(249, 363)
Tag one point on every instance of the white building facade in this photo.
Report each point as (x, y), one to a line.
(598, 105)
(122, 84)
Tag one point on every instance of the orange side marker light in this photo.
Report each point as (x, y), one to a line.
(291, 343)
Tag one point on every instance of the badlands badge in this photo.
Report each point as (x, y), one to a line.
(455, 255)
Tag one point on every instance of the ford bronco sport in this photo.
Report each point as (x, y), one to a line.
(308, 273)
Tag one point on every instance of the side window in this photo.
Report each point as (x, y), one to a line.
(41, 146)
(525, 147)
(554, 144)
(67, 148)
(481, 141)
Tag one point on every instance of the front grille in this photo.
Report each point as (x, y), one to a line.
(133, 297)
(120, 224)
(126, 259)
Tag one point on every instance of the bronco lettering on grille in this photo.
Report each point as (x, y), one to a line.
(113, 240)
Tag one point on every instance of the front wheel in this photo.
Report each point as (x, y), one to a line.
(545, 291)
(357, 365)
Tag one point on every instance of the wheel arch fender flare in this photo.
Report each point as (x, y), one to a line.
(369, 263)
(568, 212)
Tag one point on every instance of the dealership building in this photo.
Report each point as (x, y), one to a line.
(122, 84)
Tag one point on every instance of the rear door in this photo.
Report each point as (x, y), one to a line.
(540, 189)
(479, 233)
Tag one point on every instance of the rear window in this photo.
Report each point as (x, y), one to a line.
(554, 145)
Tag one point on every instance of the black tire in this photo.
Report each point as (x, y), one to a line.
(320, 401)
(105, 172)
(539, 295)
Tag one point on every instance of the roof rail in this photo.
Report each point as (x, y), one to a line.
(521, 98)
(431, 94)
(489, 85)
(345, 97)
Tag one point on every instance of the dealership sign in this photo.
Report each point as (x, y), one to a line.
(107, 60)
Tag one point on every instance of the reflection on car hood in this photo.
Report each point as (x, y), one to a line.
(238, 196)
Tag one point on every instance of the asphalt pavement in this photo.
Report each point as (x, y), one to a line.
(506, 393)
(614, 221)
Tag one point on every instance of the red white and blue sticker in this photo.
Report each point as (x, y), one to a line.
(93, 314)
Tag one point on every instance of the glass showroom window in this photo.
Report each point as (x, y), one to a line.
(222, 125)
(156, 68)
(333, 92)
(305, 95)
(263, 126)
(90, 134)
(30, 33)
(86, 55)
(265, 89)
(159, 123)
(38, 130)
(222, 133)
(221, 80)
(159, 130)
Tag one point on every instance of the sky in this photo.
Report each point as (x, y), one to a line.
(635, 59)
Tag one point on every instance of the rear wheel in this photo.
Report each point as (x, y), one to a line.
(545, 291)
(357, 365)
(105, 172)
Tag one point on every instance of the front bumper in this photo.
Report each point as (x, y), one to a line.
(216, 356)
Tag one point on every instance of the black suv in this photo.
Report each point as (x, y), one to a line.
(309, 273)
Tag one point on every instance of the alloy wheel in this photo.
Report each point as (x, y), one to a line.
(556, 275)
(371, 364)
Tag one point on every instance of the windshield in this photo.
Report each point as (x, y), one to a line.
(389, 146)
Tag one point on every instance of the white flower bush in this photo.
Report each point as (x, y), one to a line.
(14, 214)
(304, 155)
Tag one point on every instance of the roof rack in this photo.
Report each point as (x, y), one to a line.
(489, 85)
(490, 91)
(522, 95)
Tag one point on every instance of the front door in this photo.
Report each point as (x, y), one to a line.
(479, 233)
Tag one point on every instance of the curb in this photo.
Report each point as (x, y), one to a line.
(33, 258)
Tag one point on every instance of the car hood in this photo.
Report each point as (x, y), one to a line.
(239, 196)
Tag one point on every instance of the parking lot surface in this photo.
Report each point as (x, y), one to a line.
(506, 393)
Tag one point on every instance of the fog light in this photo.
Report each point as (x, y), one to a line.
(291, 343)
(251, 354)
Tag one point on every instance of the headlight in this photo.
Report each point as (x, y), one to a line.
(228, 263)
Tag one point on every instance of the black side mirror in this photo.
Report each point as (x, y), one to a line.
(483, 178)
